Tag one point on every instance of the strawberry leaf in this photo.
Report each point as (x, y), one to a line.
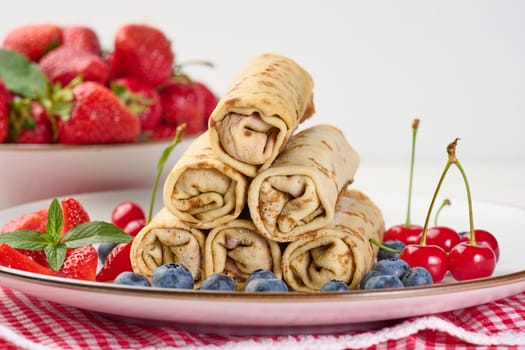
(94, 232)
(25, 239)
(21, 76)
(55, 254)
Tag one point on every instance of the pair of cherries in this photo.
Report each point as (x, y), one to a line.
(440, 249)
(445, 249)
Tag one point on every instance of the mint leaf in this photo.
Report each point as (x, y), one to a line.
(55, 221)
(21, 75)
(179, 135)
(55, 254)
(94, 232)
(25, 239)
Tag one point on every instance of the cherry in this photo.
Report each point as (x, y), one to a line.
(406, 233)
(134, 226)
(125, 212)
(442, 236)
(431, 257)
(468, 261)
(486, 238)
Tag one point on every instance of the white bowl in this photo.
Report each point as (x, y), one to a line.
(33, 172)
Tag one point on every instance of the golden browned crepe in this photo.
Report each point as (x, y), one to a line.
(340, 251)
(167, 240)
(254, 120)
(298, 193)
(203, 191)
(237, 249)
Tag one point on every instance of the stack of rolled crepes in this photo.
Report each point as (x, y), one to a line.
(251, 194)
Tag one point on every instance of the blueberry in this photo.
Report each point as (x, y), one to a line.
(172, 275)
(132, 279)
(266, 285)
(334, 285)
(383, 281)
(386, 255)
(218, 281)
(260, 273)
(367, 276)
(417, 276)
(104, 249)
(392, 267)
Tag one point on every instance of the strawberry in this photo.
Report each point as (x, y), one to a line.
(97, 117)
(35, 221)
(81, 263)
(164, 132)
(183, 103)
(74, 213)
(210, 100)
(11, 257)
(4, 111)
(141, 98)
(35, 127)
(143, 52)
(65, 63)
(34, 41)
(117, 261)
(81, 37)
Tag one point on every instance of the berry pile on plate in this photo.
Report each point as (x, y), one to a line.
(57, 85)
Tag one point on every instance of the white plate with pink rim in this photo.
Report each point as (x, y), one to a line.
(286, 313)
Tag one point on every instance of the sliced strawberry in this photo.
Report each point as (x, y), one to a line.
(11, 257)
(117, 261)
(34, 40)
(81, 37)
(81, 263)
(65, 63)
(35, 221)
(74, 213)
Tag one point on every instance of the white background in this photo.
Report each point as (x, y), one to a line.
(457, 65)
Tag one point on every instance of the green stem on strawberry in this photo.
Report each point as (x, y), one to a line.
(415, 126)
(450, 161)
(455, 161)
(446, 202)
(179, 135)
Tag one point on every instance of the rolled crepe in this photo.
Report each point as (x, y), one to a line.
(299, 192)
(167, 240)
(340, 251)
(237, 249)
(203, 191)
(254, 120)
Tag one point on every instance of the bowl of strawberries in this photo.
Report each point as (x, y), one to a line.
(76, 118)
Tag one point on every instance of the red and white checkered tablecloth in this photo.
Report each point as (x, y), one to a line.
(30, 323)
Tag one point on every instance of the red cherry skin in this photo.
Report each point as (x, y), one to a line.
(442, 236)
(133, 227)
(484, 237)
(431, 257)
(403, 233)
(125, 212)
(468, 261)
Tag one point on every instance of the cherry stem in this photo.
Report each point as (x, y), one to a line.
(384, 247)
(445, 203)
(451, 150)
(472, 236)
(179, 135)
(415, 126)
